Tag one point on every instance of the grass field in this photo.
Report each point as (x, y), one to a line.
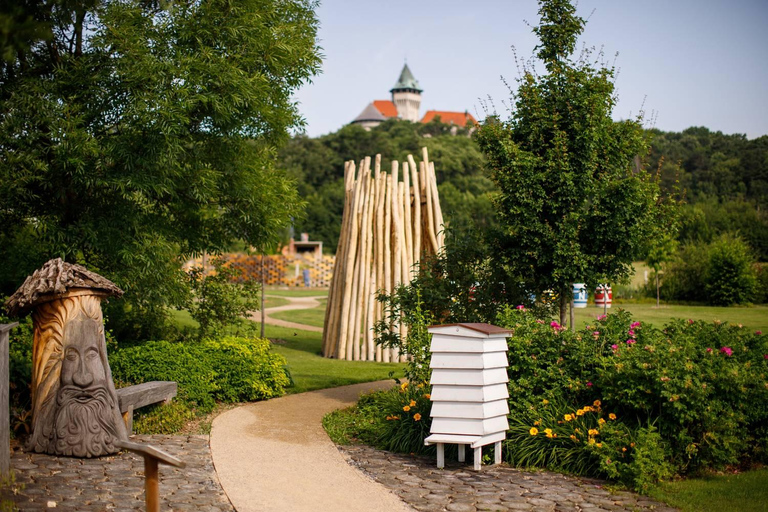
(743, 492)
(755, 317)
(314, 316)
(273, 302)
(296, 292)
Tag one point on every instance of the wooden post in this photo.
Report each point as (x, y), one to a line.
(462, 455)
(152, 456)
(416, 211)
(5, 420)
(478, 458)
(497, 452)
(440, 456)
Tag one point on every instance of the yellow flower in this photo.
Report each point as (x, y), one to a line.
(601, 421)
(536, 423)
(580, 412)
(545, 401)
(612, 416)
(413, 403)
(420, 386)
(593, 432)
(624, 449)
(403, 385)
(427, 396)
(407, 408)
(597, 403)
(591, 440)
(417, 416)
(599, 445)
(534, 431)
(568, 417)
(548, 431)
(632, 445)
(574, 438)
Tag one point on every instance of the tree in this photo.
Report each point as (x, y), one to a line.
(573, 202)
(135, 133)
(663, 250)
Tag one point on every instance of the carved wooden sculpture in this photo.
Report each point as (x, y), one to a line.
(75, 409)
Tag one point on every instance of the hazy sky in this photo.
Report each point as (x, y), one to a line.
(696, 62)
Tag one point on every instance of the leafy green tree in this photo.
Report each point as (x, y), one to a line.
(663, 250)
(573, 202)
(135, 133)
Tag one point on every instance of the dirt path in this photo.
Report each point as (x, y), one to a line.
(275, 456)
(296, 303)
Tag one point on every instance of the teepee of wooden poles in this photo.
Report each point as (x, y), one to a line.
(390, 222)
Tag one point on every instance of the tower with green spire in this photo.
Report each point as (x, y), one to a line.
(406, 95)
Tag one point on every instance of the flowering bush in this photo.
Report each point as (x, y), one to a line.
(691, 396)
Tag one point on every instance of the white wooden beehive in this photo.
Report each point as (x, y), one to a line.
(469, 386)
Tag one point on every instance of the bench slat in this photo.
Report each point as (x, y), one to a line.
(145, 394)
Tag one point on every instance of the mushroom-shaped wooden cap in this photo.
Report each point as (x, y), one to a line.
(52, 281)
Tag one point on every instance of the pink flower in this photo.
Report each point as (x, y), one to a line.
(765, 356)
(589, 384)
(614, 347)
(758, 332)
(709, 351)
(690, 321)
(631, 341)
(520, 307)
(634, 324)
(556, 326)
(602, 317)
(727, 351)
(631, 333)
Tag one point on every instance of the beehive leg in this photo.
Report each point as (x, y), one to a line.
(440, 456)
(462, 458)
(478, 457)
(497, 452)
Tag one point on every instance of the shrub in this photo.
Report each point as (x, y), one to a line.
(162, 418)
(730, 278)
(163, 360)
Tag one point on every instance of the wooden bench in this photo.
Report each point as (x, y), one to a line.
(148, 393)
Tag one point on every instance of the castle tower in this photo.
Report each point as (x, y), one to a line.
(406, 96)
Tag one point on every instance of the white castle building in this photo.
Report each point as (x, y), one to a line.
(405, 104)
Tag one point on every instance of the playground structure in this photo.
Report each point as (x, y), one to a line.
(388, 226)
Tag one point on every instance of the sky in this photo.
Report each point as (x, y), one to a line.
(684, 62)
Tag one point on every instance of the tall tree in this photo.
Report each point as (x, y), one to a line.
(133, 133)
(574, 203)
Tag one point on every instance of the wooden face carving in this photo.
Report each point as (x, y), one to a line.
(75, 409)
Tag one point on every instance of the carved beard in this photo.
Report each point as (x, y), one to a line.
(83, 426)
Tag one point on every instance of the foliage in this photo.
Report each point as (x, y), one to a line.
(702, 386)
(162, 418)
(575, 202)
(228, 369)
(219, 303)
(395, 420)
(719, 273)
(134, 134)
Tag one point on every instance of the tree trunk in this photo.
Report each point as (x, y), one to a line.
(563, 306)
(570, 309)
(657, 290)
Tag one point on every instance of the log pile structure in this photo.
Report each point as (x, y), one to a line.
(388, 225)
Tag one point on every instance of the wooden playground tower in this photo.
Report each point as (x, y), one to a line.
(387, 227)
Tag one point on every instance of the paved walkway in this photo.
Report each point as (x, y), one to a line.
(296, 303)
(275, 456)
(116, 482)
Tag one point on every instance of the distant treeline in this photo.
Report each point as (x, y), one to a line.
(724, 178)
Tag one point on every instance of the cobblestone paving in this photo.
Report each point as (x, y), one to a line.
(116, 483)
(458, 488)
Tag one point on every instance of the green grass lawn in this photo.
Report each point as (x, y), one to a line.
(755, 317)
(310, 370)
(314, 316)
(274, 302)
(296, 292)
(743, 492)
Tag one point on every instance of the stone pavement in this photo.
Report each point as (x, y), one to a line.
(116, 482)
(458, 488)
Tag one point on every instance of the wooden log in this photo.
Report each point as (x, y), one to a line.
(407, 222)
(378, 309)
(5, 420)
(363, 262)
(387, 249)
(416, 211)
(439, 223)
(396, 241)
(346, 299)
(430, 224)
(353, 334)
(369, 279)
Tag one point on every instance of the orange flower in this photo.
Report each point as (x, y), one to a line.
(407, 408)
(568, 417)
(612, 416)
(417, 416)
(597, 403)
(601, 421)
(534, 431)
(427, 396)
(413, 403)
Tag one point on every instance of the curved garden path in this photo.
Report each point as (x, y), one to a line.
(275, 456)
(296, 303)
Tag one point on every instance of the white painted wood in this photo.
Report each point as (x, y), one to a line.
(447, 393)
(456, 344)
(478, 458)
(461, 452)
(470, 377)
(464, 360)
(470, 410)
(478, 427)
(440, 455)
(497, 452)
(464, 332)
(471, 441)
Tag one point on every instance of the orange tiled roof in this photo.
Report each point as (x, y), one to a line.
(386, 107)
(456, 118)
